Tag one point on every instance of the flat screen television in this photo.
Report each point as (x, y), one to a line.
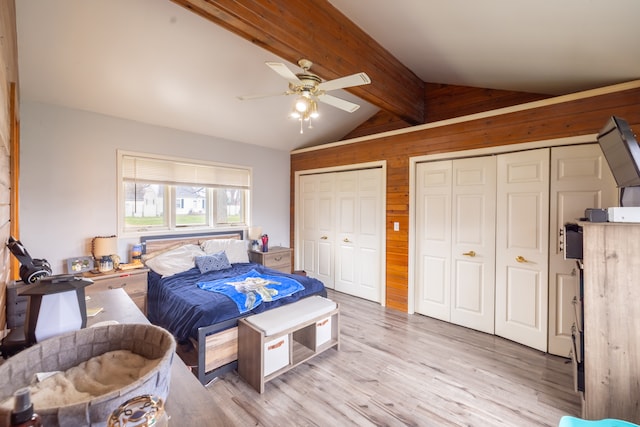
(621, 149)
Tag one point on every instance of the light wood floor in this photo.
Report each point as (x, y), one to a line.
(396, 369)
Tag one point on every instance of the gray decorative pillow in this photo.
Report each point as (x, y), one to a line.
(213, 262)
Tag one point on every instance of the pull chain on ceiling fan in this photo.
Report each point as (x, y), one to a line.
(310, 89)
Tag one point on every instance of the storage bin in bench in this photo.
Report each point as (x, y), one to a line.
(273, 342)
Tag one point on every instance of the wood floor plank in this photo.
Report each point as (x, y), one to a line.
(396, 369)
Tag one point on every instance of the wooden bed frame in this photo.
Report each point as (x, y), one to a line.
(217, 345)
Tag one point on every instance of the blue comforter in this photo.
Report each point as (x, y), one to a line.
(177, 304)
(252, 288)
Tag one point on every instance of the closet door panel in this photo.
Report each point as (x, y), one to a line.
(522, 244)
(435, 289)
(325, 241)
(580, 179)
(359, 222)
(325, 263)
(308, 223)
(309, 256)
(346, 201)
(346, 216)
(369, 273)
(521, 208)
(469, 288)
(367, 239)
(523, 299)
(433, 231)
(316, 225)
(345, 282)
(473, 243)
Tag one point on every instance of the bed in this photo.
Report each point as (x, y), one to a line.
(180, 297)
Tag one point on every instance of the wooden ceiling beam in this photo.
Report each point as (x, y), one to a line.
(294, 29)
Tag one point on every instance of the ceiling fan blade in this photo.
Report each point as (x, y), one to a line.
(265, 95)
(347, 81)
(283, 70)
(338, 103)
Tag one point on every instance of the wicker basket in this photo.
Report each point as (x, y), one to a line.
(69, 350)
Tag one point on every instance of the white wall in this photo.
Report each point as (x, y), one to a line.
(68, 177)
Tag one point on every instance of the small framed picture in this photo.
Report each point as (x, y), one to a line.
(79, 264)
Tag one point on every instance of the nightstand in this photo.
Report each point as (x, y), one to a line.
(134, 283)
(278, 258)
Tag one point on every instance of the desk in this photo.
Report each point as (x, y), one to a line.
(188, 403)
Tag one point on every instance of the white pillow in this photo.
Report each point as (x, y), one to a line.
(175, 260)
(214, 245)
(236, 250)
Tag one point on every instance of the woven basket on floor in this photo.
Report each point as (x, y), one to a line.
(69, 350)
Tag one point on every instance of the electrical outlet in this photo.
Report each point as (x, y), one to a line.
(396, 226)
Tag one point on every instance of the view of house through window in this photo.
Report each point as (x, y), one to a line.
(191, 206)
(166, 194)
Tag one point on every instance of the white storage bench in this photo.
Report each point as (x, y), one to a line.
(272, 342)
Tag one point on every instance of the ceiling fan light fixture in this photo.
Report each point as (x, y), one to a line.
(313, 110)
(295, 114)
(304, 109)
(302, 104)
(310, 88)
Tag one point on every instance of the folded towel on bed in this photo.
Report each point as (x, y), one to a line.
(252, 288)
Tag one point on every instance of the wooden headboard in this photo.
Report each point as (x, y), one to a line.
(157, 243)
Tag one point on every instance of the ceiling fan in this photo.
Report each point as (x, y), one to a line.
(310, 89)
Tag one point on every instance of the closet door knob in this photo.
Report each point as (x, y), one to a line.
(323, 238)
(346, 240)
(470, 253)
(520, 258)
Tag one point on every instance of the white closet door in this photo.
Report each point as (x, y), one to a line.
(456, 241)
(317, 221)
(368, 240)
(433, 239)
(326, 230)
(308, 223)
(522, 245)
(580, 179)
(358, 233)
(346, 202)
(473, 243)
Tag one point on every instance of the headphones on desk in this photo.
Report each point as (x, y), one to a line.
(31, 270)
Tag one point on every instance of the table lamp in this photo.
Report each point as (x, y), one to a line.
(255, 233)
(56, 305)
(103, 249)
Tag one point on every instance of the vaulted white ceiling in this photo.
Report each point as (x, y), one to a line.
(155, 62)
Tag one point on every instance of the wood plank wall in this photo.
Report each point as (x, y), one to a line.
(8, 122)
(445, 102)
(548, 119)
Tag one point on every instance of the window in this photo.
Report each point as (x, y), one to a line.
(177, 194)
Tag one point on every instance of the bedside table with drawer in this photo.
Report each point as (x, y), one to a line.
(278, 258)
(134, 283)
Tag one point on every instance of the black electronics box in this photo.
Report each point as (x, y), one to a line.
(572, 241)
(596, 215)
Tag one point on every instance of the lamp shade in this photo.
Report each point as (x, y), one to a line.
(255, 232)
(56, 305)
(104, 246)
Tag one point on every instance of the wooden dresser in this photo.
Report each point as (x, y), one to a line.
(611, 319)
(134, 283)
(278, 258)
